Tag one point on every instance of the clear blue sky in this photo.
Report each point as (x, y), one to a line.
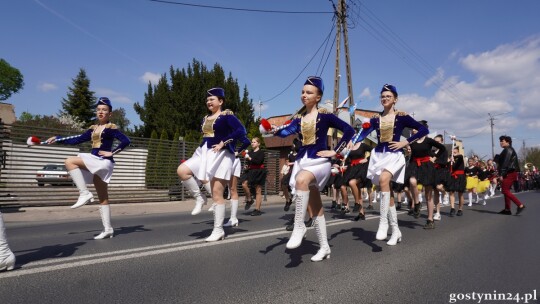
(453, 62)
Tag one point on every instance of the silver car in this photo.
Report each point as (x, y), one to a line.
(54, 174)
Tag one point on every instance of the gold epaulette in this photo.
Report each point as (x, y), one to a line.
(401, 113)
(377, 115)
(93, 127)
(227, 112)
(297, 116)
(323, 111)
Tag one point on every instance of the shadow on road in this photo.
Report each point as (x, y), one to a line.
(47, 252)
(130, 229)
(368, 237)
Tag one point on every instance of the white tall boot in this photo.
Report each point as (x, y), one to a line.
(233, 221)
(108, 231)
(470, 199)
(374, 197)
(396, 234)
(382, 232)
(299, 230)
(7, 258)
(320, 229)
(219, 216)
(85, 196)
(193, 188)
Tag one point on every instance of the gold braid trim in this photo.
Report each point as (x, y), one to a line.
(226, 112)
(376, 115)
(340, 147)
(228, 141)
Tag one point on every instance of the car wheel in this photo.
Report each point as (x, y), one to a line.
(40, 184)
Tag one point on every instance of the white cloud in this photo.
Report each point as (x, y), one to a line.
(115, 97)
(505, 83)
(153, 78)
(46, 86)
(437, 78)
(366, 94)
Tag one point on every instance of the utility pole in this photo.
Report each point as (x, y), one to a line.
(260, 108)
(491, 124)
(341, 29)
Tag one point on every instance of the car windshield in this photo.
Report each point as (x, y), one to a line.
(55, 168)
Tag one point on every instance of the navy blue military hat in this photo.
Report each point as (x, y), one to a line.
(390, 88)
(315, 81)
(218, 92)
(104, 101)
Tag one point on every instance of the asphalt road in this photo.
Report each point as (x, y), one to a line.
(162, 258)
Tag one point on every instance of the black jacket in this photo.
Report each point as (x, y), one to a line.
(507, 161)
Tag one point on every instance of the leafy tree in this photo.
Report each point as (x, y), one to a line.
(532, 155)
(11, 80)
(80, 99)
(254, 131)
(50, 122)
(119, 118)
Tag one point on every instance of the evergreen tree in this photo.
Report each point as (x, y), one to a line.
(162, 159)
(151, 168)
(178, 104)
(245, 110)
(174, 159)
(80, 100)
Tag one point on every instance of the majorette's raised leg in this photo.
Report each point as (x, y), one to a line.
(85, 196)
(193, 188)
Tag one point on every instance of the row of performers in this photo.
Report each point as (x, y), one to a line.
(212, 163)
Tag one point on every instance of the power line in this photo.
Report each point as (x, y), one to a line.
(303, 69)
(238, 9)
(394, 43)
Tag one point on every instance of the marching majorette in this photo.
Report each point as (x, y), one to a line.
(441, 178)
(97, 166)
(311, 169)
(422, 171)
(7, 258)
(256, 173)
(355, 177)
(456, 181)
(387, 162)
(471, 172)
(213, 160)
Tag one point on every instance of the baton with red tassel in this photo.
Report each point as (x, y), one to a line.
(35, 141)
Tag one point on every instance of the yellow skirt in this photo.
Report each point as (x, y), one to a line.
(482, 186)
(472, 182)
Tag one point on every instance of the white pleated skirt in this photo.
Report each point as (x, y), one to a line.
(319, 167)
(207, 164)
(237, 167)
(96, 166)
(391, 162)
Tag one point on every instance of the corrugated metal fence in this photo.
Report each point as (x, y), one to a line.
(144, 172)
